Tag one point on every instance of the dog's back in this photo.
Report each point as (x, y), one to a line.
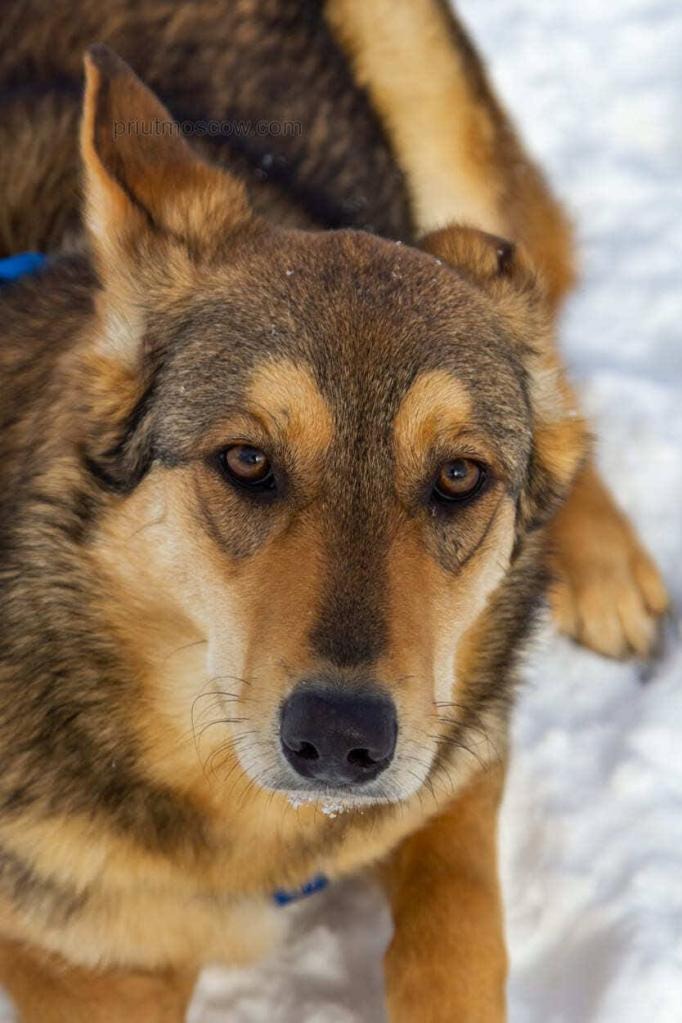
(262, 87)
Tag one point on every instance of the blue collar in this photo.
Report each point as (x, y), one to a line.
(282, 897)
(14, 267)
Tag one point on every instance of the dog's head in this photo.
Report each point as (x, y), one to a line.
(325, 453)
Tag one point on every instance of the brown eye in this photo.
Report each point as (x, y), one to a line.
(459, 480)
(248, 466)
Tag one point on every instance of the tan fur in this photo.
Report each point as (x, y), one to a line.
(402, 54)
(50, 990)
(447, 960)
(295, 409)
(446, 611)
(166, 599)
(437, 407)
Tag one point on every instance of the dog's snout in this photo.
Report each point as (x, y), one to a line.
(337, 737)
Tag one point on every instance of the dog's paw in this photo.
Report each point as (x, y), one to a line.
(607, 593)
(613, 604)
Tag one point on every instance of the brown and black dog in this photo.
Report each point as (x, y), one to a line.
(286, 454)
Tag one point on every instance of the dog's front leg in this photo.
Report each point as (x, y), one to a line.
(46, 989)
(447, 961)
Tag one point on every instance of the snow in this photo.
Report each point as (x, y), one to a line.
(592, 823)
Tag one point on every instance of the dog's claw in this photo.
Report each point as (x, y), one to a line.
(668, 635)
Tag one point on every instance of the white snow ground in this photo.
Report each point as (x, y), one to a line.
(592, 825)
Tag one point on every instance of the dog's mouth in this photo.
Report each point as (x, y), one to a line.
(334, 803)
(334, 799)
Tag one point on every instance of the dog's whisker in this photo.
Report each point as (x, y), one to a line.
(185, 646)
(221, 721)
(147, 525)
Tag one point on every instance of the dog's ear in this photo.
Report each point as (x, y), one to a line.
(560, 437)
(155, 213)
(483, 258)
(143, 182)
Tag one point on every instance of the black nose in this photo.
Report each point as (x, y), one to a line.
(337, 737)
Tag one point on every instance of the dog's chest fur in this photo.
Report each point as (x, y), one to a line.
(108, 902)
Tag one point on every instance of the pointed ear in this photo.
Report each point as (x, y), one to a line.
(141, 178)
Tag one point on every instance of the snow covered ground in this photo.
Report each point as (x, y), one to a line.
(592, 826)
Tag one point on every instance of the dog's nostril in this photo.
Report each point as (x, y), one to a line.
(307, 751)
(361, 758)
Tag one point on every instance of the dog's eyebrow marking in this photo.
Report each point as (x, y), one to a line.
(436, 403)
(290, 397)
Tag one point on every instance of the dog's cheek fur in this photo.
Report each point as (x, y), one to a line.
(421, 666)
(68, 700)
(77, 754)
(487, 662)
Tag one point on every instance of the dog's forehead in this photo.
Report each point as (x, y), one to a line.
(342, 320)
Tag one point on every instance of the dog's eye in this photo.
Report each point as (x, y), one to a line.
(248, 466)
(458, 481)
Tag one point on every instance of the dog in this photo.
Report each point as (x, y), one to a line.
(289, 464)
